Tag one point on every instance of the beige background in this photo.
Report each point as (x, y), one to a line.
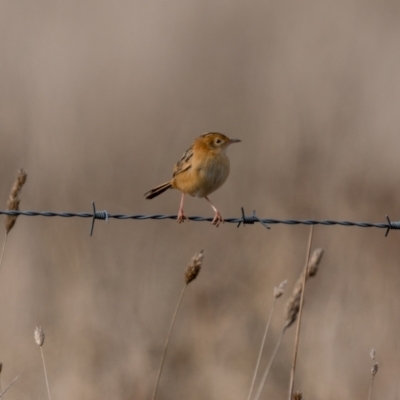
(98, 100)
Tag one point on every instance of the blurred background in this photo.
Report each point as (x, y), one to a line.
(99, 99)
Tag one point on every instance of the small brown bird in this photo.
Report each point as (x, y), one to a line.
(203, 168)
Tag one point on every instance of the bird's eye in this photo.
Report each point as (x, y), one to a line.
(218, 141)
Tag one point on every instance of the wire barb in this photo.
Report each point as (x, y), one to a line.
(250, 220)
(246, 220)
(391, 225)
(97, 215)
(260, 221)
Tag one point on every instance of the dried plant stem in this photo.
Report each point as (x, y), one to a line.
(167, 341)
(191, 273)
(3, 250)
(1, 370)
(8, 387)
(45, 372)
(370, 388)
(261, 350)
(374, 371)
(271, 360)
(296, 346)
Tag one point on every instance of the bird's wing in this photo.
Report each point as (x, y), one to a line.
(184, 163)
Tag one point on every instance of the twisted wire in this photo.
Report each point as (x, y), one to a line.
(245, 220)
(248, 220)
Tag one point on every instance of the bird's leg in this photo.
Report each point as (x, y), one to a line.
(217, 217)
(181, 215)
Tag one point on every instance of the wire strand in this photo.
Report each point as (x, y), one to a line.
(245, 220)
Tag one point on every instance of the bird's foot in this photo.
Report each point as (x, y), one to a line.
(181, 217)
(217, 219)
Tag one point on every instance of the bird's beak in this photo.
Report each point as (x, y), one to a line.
(234, 141)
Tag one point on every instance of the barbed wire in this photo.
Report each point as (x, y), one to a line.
(243, 220)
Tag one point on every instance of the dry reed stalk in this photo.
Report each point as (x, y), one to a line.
(292, 310)
(297, 396)
(1, 370)
(39, 339)
(3, 249)
(374, 371)
(271, 360)
(191, 273)
(278, 292)
(303, 288)
(8, 387)
(13, 205)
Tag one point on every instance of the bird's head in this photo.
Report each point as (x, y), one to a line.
(217, 141)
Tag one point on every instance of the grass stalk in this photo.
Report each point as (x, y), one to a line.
(261, 350)
(191, 273)
(374, 371)
(293, 308)
(1, 370)
(8, 387)
(278, 291)
(271, 360)
(3, 249)
(45, 373)
(39, 339)
(160, 368)
(296, 346)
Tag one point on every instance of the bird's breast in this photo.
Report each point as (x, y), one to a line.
(205, 176)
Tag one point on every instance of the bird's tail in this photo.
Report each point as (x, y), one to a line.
(158, 190)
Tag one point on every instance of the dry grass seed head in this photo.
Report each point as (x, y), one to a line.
(39, 336)
(293, 304)
(194, 267)
(14, 200)
(278, 291)
(314, 262)
(374, 368)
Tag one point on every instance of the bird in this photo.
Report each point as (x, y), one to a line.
(203, 168)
